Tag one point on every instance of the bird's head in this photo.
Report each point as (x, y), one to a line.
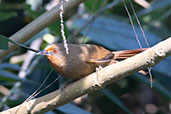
(49, 50)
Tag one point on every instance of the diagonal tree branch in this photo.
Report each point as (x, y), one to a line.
(37, 25)
(96, 81)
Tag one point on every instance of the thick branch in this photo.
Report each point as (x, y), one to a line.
(96, 80)
(37, 25)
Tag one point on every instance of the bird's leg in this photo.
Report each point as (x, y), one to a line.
(63, 86)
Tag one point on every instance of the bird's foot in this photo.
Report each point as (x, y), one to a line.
(96, 79)
(98, 68)
(143, 72)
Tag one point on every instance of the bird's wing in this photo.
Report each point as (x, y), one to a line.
(106, 59)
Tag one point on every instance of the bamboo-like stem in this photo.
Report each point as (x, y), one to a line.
(37, 25)
(97, 80)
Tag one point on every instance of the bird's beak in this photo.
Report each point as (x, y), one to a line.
(43, 52)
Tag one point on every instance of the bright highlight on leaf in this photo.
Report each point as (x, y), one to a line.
(49, 38)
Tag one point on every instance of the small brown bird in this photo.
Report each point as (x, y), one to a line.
(83, 59)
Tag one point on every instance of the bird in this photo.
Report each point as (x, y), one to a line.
(83, 59)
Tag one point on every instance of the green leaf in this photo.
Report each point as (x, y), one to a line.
(3, 42)
(93, 6)
(6, 6)
(10, 66)
(72, 109)
(33, 14)
(7, 15)
(8, 76)
(154, 6)
(13, 103)
(55, 28)
(116, 100)
(156, 85)
(111, 33)
(11, 77)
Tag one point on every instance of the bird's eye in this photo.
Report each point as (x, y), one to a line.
(54, 50)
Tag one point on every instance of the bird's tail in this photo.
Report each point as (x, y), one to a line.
(120, 55)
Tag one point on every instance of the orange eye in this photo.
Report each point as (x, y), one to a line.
(55, 50)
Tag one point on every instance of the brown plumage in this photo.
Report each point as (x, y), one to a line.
(82, 58)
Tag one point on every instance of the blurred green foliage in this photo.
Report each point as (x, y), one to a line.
(111, 29)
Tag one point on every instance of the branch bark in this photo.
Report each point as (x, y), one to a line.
(37, 25)
(96, 81)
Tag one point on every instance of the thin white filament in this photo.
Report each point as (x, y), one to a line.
(62, 27)
(139, 24)
(145, 39)
(132, 24)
